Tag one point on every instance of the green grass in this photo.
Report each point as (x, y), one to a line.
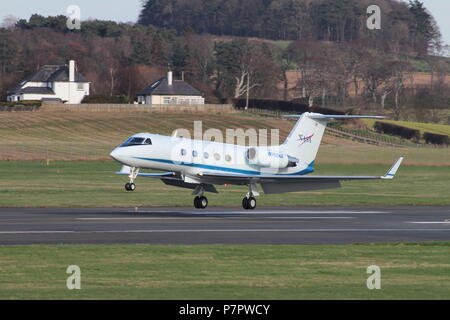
(413, 271)
(366, 154)
(422, 127)
(91, 184)
(92, 135)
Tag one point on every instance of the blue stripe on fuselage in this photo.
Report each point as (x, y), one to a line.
(309, 169)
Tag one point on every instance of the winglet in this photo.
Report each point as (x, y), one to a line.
(391, 173)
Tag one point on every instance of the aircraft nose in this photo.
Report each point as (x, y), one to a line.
(115, 154)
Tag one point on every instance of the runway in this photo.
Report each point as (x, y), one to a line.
(287, 225)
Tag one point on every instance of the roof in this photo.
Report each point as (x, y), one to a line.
(54, 73)
(62, 75)
(47, 74)
(161, 87)
(33, 90)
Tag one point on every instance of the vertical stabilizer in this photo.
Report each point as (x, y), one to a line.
(304, 140)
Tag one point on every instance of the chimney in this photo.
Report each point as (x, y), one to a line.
(170, 78)
(72, 71)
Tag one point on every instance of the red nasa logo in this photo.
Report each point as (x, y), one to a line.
(305, 139)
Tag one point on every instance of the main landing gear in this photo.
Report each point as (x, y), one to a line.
(249, 202)
(130, 186)
(200, 201)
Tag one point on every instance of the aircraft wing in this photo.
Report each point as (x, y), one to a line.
(265, 179)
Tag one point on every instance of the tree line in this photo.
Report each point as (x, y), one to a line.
(405, 26)
(120, 59)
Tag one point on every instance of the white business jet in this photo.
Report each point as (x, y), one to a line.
(199, 165)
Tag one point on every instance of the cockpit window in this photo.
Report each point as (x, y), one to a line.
(148, 141)
(134, 141)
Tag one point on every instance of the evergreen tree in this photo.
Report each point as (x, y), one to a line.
(423, 28)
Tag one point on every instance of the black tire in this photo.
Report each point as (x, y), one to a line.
(245, 203)
(132, 187)
(127, 186)
(249, 203)
(197, 202)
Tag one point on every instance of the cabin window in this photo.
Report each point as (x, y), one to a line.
(228, 158)
(183, 152)
(217, 156)
(194, 154)
(206, 155)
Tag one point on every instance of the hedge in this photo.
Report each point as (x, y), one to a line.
(395, 130)
(31, 103)
(20, 106)
(437, 139)
(284, 106)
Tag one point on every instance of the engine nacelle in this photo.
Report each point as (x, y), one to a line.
(269, 159)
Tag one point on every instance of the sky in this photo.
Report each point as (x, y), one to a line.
(128, 11)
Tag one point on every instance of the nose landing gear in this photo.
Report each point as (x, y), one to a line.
(130, 186)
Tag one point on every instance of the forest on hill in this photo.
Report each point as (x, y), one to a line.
(221, 45)
(405, 26)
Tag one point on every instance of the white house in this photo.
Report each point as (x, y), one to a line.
(52, 83)
(170, 91)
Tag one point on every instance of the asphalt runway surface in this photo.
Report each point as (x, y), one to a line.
(287, 225)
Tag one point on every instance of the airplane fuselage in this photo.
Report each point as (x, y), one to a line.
(191, 157)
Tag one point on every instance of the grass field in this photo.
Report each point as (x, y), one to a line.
(413, 271)
(93, 183)
(92, 136)
(422, 127)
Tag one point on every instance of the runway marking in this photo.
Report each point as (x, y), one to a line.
(196, 219)
(36, 232)
(223, 231)
(431, 222)
(261, 212)
(295, 218)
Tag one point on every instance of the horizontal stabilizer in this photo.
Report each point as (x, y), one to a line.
(327, 117)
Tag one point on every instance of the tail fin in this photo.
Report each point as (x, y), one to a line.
(304, 140)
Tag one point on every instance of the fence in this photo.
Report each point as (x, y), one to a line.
(209, 108)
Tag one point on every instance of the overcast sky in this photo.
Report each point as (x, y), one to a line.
(126, 11)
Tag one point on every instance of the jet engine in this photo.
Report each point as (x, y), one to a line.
(263, 157)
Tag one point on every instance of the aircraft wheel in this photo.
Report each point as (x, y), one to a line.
(249, 203)
(130, 187)
(200, 202)
(203, 202)
(196, 202)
